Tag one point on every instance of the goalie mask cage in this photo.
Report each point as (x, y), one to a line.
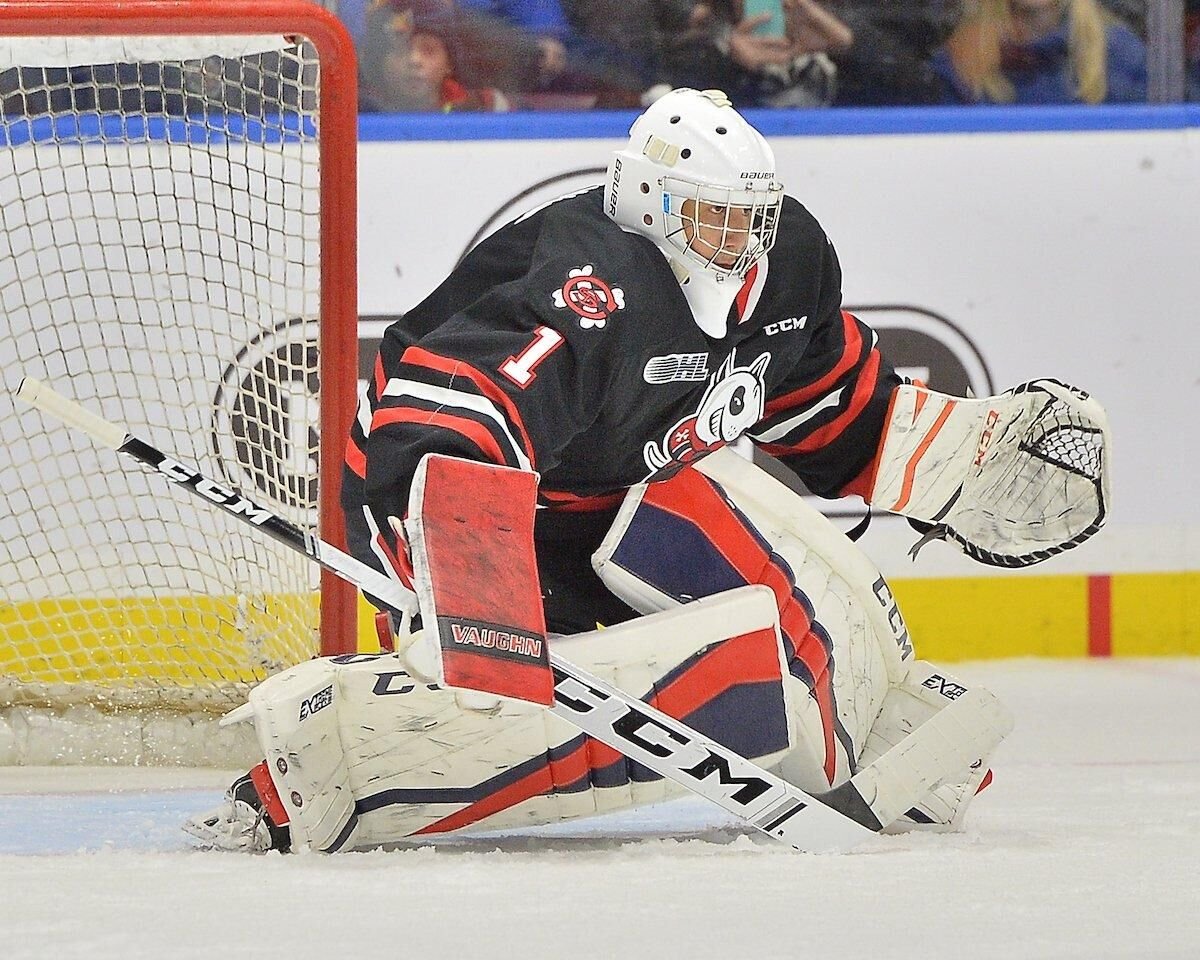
(177, 252)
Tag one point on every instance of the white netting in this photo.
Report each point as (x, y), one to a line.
(159, 264)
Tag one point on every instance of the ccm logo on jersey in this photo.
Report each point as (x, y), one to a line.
(318, 701)
(782, 326)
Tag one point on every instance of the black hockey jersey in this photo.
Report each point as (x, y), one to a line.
(565, 345)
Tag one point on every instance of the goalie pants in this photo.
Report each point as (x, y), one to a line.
(574, 598)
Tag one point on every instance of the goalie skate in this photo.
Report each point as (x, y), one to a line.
(240, 824)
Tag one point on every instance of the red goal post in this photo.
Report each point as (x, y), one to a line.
(280, 193)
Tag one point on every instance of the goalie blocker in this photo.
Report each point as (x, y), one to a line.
(470, 534)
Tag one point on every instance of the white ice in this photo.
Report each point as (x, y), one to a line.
(1086, 846)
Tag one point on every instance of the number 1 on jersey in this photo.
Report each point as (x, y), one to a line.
(520, 369)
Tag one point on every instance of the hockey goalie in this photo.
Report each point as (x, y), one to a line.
(542, 457)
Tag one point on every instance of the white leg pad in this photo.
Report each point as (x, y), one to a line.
(930, 723)
(296, 721)
(877, 691)
(388, 755)
(848, 641)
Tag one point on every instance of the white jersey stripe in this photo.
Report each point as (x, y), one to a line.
(364, 412)
(445, 397)
(771, 434)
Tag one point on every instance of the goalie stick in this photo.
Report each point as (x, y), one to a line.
(635, 729)
(642, 733)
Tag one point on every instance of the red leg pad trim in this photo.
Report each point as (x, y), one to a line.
(260, 776)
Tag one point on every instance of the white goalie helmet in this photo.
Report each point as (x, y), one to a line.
(699, 181)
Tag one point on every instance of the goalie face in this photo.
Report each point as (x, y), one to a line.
(724, 236)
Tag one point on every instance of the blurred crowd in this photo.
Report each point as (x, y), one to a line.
(496, 55)
(499, 55)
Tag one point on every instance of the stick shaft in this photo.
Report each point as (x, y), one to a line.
(115, 436)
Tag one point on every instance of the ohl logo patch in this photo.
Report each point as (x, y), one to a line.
(589, 297)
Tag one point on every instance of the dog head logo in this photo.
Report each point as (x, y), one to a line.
(733, 402)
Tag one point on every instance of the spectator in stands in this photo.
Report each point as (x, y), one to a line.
(1191, 41)
(619, 45)
(556, 66)
(890, 61)
(1130, 12)
(388, 80)
(435, 58)
(543, 21)
(1134, 13)
(1044, 51)
(722, 48)
(412, 58)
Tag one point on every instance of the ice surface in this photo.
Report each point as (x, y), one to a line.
(1086, 846)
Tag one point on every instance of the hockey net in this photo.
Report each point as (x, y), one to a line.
(177, 204)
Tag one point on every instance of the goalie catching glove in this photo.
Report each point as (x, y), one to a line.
(1012, 479)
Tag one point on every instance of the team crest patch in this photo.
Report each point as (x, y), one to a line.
(589, 297)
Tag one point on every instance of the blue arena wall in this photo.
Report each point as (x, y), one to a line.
(590, 124)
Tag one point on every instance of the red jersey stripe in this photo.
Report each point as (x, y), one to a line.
(863, 390)
(850, 354)
(356, 460)
(864, 483)
(561, 500)
(478, 434)
(743, 295)
(420, 357)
